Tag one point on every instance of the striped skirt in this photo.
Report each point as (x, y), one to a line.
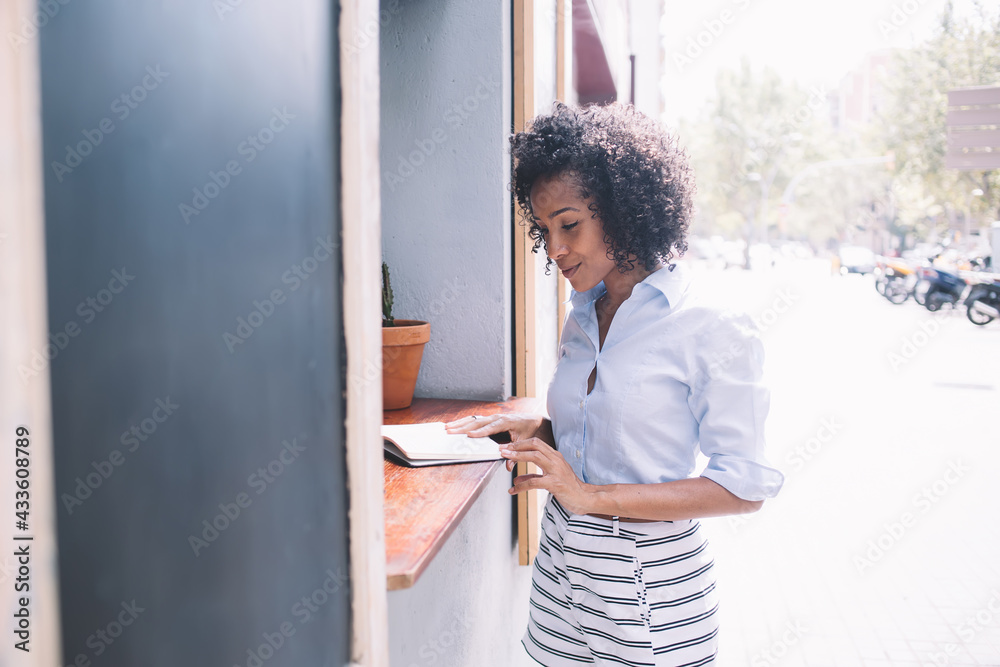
(631, 594)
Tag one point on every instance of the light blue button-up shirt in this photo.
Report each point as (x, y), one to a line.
(673, 376)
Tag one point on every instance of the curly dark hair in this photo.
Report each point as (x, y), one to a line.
(637, 173)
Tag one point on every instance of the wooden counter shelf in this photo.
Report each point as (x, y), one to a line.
(423, 506)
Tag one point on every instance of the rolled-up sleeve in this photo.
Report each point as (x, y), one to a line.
(730, 402)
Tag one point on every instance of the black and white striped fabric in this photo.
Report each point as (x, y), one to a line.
(616, 593)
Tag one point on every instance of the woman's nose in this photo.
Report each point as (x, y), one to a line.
(555, 249)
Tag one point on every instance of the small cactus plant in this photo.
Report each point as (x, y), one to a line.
(387, 319)
(402, 350)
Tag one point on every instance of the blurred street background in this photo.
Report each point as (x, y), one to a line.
(831, 188)
(883, 547)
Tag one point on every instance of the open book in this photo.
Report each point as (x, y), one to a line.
(429, 444)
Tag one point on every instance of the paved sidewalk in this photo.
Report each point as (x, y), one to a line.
(884, 546)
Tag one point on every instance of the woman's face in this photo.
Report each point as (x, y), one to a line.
(573, 234)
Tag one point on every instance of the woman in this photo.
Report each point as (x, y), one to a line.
(645, 379)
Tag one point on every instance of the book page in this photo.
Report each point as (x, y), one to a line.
(431, 441)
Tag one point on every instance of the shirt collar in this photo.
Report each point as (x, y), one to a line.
(672, 284)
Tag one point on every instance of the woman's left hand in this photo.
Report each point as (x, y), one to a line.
(557, 476)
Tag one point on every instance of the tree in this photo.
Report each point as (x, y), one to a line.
(754, 136)
(963, 51)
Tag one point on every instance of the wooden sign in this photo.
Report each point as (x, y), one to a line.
(973, 128)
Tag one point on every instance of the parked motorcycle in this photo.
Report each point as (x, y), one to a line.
(923, 275)
(983, 302)
(895, 280)
(900, 282)
(880, 277)
(942, 288)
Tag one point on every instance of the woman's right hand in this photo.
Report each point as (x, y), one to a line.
(519, 426)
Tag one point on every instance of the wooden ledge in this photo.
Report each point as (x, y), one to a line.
(423, 506)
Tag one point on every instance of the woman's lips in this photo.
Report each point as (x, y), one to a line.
(568, 273)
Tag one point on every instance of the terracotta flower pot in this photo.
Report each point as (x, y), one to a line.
(402, 350)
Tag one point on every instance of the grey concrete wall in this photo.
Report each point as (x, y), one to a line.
(470, 607)
(445, 206)
(446, 236)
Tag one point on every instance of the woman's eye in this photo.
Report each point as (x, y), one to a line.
(543, 232)
(570, 226)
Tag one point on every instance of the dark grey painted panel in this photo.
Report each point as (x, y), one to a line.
(171, 272)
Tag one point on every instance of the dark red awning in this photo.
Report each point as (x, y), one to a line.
(591, 72)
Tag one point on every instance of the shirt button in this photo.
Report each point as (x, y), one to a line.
(578, 453)
(581, 405)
